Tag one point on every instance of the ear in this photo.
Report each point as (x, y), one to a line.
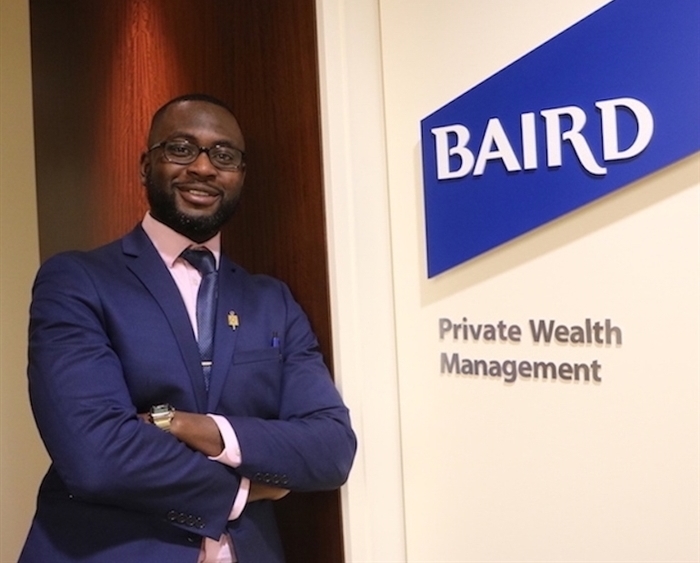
(144, 167)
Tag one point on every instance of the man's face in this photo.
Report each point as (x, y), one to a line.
(193, 199)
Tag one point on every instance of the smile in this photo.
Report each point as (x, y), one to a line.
(198, 195)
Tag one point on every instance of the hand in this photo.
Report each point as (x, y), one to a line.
(260, 491)
(198, 431)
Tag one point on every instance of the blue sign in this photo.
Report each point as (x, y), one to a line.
(606, 102)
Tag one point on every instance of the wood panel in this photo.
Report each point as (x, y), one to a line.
(100, 69)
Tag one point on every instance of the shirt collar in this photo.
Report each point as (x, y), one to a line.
(170, 244)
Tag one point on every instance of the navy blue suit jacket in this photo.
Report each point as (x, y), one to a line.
(109, 337)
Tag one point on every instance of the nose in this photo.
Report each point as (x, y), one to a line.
(202, 166)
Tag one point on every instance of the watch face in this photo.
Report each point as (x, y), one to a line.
(161, 409)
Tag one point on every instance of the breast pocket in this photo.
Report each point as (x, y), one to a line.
(268, 354)
(254, 383)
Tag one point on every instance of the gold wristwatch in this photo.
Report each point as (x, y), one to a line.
(162, 415)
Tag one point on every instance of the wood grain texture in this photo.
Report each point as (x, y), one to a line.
(100, 70)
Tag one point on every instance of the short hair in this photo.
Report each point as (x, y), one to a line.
(194, 97)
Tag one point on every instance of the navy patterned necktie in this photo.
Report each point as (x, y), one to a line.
(203, 260)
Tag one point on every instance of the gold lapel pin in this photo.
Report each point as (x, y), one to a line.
(232, 320)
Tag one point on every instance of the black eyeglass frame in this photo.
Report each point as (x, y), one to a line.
(200, 150)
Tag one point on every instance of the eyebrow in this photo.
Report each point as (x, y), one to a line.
(192, 139)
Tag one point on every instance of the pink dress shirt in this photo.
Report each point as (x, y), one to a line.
(170, 245)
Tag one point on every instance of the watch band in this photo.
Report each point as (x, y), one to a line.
(162, 416)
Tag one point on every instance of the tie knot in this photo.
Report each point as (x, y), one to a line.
(200, 258)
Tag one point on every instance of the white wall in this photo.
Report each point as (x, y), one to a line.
(22, 457)
(361, 278)
(534, 471)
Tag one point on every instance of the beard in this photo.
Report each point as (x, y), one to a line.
(197, 229)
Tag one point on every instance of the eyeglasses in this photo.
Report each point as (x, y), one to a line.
(184, 152)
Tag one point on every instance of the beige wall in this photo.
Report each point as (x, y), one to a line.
(22, 457)
(362, 310)
(487, 471)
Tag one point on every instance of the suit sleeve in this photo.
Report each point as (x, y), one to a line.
(87, 420)
(310, 445)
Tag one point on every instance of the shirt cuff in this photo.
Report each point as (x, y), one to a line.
(231, 455)
(241, 499)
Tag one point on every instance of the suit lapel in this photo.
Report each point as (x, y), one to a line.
(229, 302)
(145, 262)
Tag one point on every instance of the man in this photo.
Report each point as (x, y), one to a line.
(162, 449)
